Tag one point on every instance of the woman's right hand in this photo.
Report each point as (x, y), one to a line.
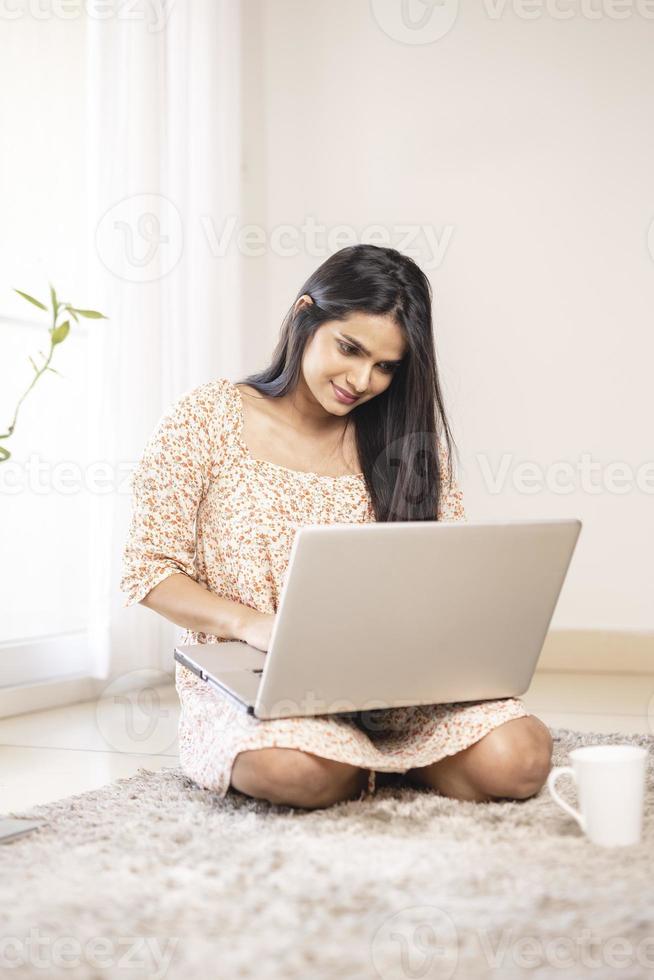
(257, 629)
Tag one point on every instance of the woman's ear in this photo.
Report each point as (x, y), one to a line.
(304, 300)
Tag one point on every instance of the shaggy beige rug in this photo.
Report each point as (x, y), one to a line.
(154, 877)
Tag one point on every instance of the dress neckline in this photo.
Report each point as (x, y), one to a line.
(238, 400)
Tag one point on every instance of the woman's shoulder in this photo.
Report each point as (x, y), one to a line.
(208, 401)
(200, 414)
(209, 392)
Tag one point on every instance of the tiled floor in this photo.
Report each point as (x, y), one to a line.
(47, 755)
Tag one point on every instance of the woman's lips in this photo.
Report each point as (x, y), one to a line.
(343, 396)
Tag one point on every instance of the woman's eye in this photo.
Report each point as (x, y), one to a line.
(348, 349)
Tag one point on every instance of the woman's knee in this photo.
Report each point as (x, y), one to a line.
(510, 762)
(514, 760)
(293, 777)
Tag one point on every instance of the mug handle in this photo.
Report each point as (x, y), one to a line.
(551, 785)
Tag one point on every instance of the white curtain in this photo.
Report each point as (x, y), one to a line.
(164, 143)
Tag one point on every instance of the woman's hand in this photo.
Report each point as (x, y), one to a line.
(257, 629)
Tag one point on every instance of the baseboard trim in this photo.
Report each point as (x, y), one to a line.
(597, 652)
(57, 692)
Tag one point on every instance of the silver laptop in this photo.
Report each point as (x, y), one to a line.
(399, 614)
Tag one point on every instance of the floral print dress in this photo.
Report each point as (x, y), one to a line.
(204, 506)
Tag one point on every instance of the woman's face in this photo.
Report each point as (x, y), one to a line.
(359, 355)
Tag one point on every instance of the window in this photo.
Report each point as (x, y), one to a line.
(43, 528)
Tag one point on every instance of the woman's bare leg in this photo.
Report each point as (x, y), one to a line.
(510, 762)
(292, 777)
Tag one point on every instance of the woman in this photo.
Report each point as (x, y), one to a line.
(347, 424)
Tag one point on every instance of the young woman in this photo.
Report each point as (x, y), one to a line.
(346, 424)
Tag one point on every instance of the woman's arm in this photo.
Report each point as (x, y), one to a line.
(159, 561)
(189, 605)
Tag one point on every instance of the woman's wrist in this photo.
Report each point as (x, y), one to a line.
(243, 617)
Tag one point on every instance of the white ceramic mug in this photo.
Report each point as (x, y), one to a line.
(610, 783)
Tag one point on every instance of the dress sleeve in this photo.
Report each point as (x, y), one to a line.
(167, 486)
(450, 507)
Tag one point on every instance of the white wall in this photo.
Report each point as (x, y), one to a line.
(531, 141)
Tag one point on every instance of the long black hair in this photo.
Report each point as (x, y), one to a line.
(402, 435)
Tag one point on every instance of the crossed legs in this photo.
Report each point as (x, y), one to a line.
(510, 762)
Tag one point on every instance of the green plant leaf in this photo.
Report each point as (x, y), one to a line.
(4, 454)
(31, 299)
(91, 314)
(53, 299)
(60, 333)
